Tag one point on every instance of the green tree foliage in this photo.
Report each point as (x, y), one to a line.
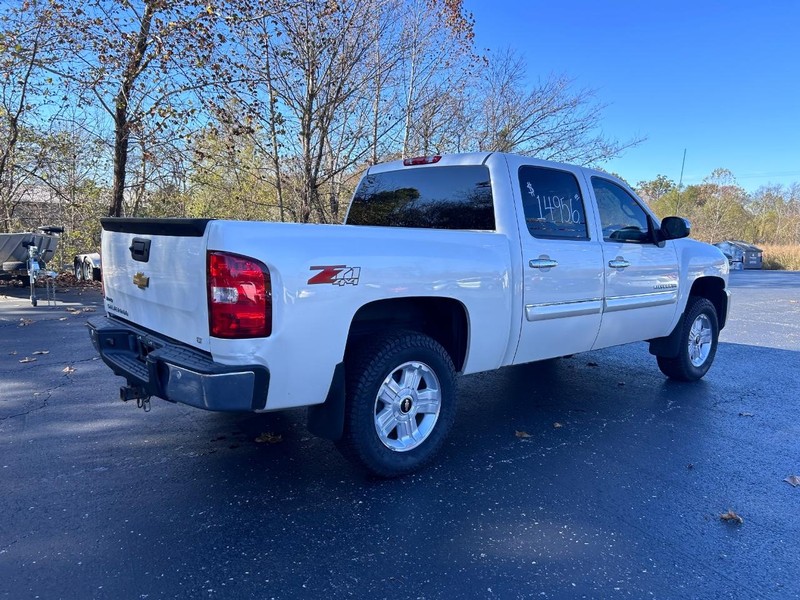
(720, 209)
(227, 181)
(653, 191)
(775, 214)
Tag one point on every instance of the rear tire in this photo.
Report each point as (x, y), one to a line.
(88, 270)
(698, 343)
(77, 268)
(400, 402)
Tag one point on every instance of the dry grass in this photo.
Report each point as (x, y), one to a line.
(781, 257)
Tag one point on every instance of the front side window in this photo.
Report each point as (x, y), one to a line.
(457, 197)
(621, 217)
(552, 203)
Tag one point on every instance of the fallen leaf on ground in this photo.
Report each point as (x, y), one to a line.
(591, 364)
(27, 360)
(88, 309)
(794, 480)
(620, 383)
(557, 425)
(269, 438)
(522, 434)
(745, 414)
(63, 319)
(731, 516)
(12, 353)
(24, 322)
(68, 370)
(42, 352)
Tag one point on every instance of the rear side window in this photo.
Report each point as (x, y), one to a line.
(552, 202)
(430, 198)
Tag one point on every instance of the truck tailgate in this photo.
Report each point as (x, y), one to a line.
(154, 275)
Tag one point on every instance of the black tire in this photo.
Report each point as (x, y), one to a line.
(402, 355)
(77, 268)
(700, 312)
(88, 270)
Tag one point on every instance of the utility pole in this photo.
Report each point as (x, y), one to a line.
(680, 184)
(683, 164)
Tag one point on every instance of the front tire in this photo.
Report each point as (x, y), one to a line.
(400, 403)
(698, 343)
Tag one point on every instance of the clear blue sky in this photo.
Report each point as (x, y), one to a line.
(720, 79)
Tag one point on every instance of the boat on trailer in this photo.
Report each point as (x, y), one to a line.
(15, 255)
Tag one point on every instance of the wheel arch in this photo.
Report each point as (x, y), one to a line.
(445, 320)
(713, 289)
(710, 288)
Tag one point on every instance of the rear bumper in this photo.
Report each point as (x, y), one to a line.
(175, 372)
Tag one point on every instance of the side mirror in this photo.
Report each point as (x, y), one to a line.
(674, 228)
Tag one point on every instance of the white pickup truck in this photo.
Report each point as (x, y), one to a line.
(446, 264)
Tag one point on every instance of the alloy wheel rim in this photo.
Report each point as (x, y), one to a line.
(700, 338)
(407, 406)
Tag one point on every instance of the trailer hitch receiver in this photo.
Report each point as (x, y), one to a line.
(134, 392)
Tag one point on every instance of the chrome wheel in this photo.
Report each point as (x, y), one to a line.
(700, 338)
(407, 406)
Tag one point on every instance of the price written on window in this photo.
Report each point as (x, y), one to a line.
(557, 209)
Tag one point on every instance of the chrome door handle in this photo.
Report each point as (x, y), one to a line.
(543, 263)
(618, 263)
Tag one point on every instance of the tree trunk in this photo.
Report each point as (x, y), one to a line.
(276, 163)
(122, 126)
(121, 141)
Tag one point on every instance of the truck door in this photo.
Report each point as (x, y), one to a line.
(641, 276)
(562, 261)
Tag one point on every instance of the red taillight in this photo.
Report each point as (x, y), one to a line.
(239, 297)
(421, 160)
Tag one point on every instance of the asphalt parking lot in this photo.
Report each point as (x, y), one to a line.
(587, 477)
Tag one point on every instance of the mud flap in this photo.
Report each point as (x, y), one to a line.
(326, 420)
(669, 346)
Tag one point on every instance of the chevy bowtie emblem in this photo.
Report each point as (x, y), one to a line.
(141, 280)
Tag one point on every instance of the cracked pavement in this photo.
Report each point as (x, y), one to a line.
(615, 490)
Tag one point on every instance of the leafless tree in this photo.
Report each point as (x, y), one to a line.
(550, 119)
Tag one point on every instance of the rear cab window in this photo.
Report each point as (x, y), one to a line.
(446, 197)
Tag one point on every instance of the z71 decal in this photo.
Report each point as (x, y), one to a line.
(336, 275)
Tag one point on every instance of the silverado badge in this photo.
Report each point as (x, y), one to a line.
(141, 280)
